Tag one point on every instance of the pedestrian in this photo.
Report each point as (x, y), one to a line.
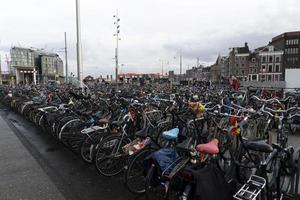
(234, 82)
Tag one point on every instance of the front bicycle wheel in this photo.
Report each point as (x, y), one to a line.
(89, 146)
(135, 176)
(110, 159)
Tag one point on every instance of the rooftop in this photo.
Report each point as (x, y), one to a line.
(286, 34)
(36, 50)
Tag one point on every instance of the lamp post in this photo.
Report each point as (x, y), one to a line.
(116, 23)
(0, 72)
(79, 53)
(66, 57)
(180, 63)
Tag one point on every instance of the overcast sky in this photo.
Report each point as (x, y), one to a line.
(151, 30)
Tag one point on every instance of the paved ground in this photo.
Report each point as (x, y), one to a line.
(21, 175)
(34, 166)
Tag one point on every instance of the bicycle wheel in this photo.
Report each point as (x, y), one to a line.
(135, 174)
(297, 174)
(89, 146)
(110, 159)
(281, 179)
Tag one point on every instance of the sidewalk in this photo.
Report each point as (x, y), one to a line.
(21, 177)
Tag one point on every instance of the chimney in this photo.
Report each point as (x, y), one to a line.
(246, 44)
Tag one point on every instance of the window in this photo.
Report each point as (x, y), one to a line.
(264, 59)
(242, 64)
(243, 71)
(270, 59)
(263, 67)
(287, 42)
(276, 77)
(277, 68)
(237, 65)
(269, 77)
(255, 70)
(296, 50)
(277, 59)
(253, 60)
(270, 68)
(254, 77)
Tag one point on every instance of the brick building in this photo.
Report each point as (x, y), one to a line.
(289, 42)
(239, 62)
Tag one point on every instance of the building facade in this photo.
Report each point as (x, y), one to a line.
(35, 65)
(22, 60)
(50, 68)
(253, 67)
(195, 73)
(289, 42)
(239, 62)
(265, 64)
(270, 63)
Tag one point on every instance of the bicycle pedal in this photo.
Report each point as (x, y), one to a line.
(251, 189)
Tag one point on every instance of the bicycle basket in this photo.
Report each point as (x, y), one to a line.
(154, 117)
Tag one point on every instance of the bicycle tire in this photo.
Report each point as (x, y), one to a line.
(106, 162)
(89, 146)
(137, 162)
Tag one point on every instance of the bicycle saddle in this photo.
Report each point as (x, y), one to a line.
(259, 145)
(171, 134)
(209, 148)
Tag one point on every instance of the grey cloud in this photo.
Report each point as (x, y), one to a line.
(209, 48)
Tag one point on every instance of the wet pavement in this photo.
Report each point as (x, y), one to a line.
(49, 163)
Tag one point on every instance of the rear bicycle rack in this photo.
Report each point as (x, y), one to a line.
(251, 189)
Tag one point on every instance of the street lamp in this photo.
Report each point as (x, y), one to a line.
(116, 23)
(79, 53)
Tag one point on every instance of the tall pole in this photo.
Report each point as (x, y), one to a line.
(180, 62)
(117, 45)
(162, 67)
(0, 72)
(9, 70)
(66, 57)
(79, 53)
